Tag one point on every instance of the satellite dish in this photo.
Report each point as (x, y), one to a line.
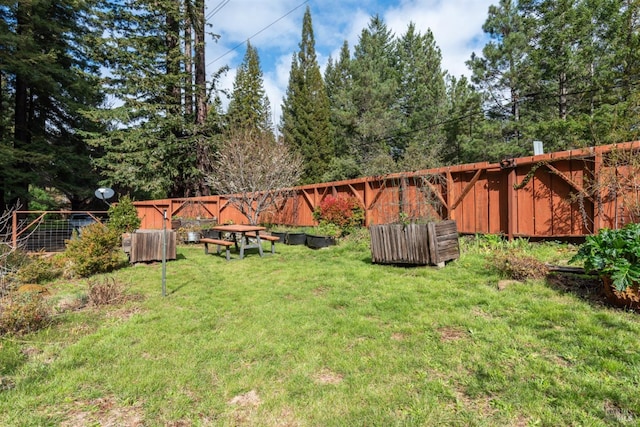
(104, 193)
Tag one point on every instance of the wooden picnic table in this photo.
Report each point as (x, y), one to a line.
(239, 233)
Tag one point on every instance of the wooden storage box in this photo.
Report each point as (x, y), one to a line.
(433, 243)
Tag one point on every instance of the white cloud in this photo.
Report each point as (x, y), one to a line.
(455, 24)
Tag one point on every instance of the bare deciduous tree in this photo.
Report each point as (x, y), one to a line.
(256, 171)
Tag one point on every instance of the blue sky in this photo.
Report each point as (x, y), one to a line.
(456, 25)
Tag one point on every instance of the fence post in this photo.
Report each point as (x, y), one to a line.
(451, 213)
(512, 203)
(14, 229)
(597, 205)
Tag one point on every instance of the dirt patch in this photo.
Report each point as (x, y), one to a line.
(251, 398)
(621, 415)
(320, 290)
(245, 408)
(449, 333)
(6, 383)
(70, 303)
(326, 376)
(124, 313)
(105, 412)
(478, 312)
(482, 406)
(286, 418)
(397, 336)
(504, 284)
(31, 351)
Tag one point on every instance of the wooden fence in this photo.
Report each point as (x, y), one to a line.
(562, 194)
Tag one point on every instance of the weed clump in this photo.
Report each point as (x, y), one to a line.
(106, 292)
(519, 266)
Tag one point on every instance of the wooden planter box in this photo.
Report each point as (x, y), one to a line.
(433, 243)
(146, 245)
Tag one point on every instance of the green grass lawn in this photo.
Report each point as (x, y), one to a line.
(325, 338)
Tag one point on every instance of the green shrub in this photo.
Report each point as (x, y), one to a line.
(22, 313)
(123, 216)
(95, 251)
(519, 266)
(38, 270)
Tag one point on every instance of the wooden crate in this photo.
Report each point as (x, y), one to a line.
(146, 245)
(433, 243)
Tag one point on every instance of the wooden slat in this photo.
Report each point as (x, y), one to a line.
(414, 244)
(147, 246)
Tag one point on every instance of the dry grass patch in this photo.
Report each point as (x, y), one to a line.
(326, 376)
(124, 313)
(105, 412)
(398, 336)
(250, 398)
(449, 333)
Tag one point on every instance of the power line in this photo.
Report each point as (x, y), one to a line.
(262, 30)
(217, 9)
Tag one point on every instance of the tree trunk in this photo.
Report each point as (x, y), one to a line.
(20, 187)
(562, 95)
(188, 61)
(201, 78)
(173, 65)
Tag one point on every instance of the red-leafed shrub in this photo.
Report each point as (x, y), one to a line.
(345, 212)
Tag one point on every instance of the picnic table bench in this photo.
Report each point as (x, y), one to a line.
(267, 237)
(238, 236)
(218, 242)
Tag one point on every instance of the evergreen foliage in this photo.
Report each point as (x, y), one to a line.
(374, 95)
(47, 77)
(249, 107)
(110, 92)
(305, 112)
(123, 216)
(569, 70)
(155, 146)
(422, 101)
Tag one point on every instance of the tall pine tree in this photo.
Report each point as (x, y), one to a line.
(305, 112)
(159, 142)
(374, 96)
(421, 100)
(47, 79)
(249, 108)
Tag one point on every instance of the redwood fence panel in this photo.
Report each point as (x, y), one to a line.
(550, 195)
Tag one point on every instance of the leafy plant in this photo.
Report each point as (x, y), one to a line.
(326, 229)
(39, 270)
(344, 212)
(123, 217)
(613, 253)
